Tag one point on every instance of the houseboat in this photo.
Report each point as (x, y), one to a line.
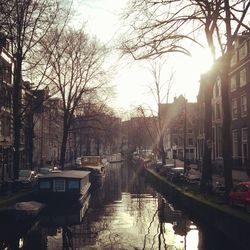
(97, 169)
(114, 158)
(64, 186)
(64, 216)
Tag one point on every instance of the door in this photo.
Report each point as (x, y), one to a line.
(244, 153)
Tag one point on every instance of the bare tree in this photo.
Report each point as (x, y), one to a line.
(25, 22)
(160, 90)
(75, 72)
(159, 27)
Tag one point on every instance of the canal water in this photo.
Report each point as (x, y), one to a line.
(124, 213)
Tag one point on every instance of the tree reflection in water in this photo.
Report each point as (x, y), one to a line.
(125, 213)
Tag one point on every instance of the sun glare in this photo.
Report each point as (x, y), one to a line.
(133, 82)
(188, 72)
(202, 60)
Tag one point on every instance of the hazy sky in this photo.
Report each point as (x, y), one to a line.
(132, 80)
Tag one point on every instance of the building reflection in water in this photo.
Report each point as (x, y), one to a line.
(185, 230)
(124, 213)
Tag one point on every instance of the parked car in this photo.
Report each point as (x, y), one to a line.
(219, 189)
(44, 171)
(240, 195)
(78, 161)
(27, 178)
(158, 166)
(175, 174)
(193, 176)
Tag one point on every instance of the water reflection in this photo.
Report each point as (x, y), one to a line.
(125, 213)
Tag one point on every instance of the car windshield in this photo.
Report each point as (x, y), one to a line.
(44, 170)
(178, 170)
(24, 173)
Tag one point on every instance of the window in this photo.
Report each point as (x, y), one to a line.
(243, 51)
(190, 141)
(234, 59)
(244, 134)
(73, 184)
(234, 109)
(44, 184)
(218, 113)
(244, 145)
(217, 88)
(176, 141)
(244, 188)
(243, 77)
(235, 143)
(243, 104)
(59, 185)
(175, 131)
(233, 83)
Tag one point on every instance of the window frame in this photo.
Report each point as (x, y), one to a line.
(243, 105)
(234, 109)
(243, 77)
(233, 82)
(55, 186)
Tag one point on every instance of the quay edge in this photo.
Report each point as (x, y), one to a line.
(232, 223)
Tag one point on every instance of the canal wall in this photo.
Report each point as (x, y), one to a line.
(234, 224)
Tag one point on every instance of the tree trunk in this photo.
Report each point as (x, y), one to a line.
(88, 150)
(63, 148)
(17, 114)
(98, 146)
(161, 144)
(64, 140)
(226, 125)
(30, 139)
(162, 151)
(206, 175)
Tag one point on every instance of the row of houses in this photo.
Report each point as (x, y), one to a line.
(239, 93)
(41, 120)
(183, 122)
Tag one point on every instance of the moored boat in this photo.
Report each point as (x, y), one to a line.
(60, 216)
(97, 169)
(21, 212)
(64, 187)
(114, 158)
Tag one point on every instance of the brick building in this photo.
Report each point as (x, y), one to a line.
(179, 127)
(240, 107)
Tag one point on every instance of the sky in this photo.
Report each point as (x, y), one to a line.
(132, 80)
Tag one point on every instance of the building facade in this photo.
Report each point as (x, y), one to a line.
(180, 129)
(6, 86)
(240, 101)
(239, 95)
(47, 128)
